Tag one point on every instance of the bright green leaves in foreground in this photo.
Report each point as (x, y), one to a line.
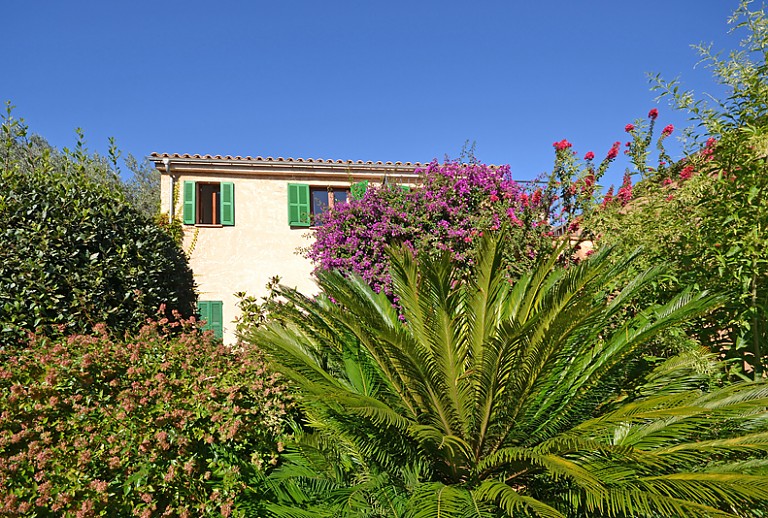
(482, 398)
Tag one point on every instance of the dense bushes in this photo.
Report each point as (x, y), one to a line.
(152, 425)
(73, 253)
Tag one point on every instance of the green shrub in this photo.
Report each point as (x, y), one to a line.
(151, 426)
(74, 253)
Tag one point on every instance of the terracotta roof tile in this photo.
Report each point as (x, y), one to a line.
(238, 158)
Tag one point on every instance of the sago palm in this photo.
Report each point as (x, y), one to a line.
(473, 396)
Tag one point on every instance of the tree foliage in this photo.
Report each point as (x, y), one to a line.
(477, 397)
(707, 214)
(73, 252)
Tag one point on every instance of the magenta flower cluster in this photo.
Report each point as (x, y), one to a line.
(453, 205)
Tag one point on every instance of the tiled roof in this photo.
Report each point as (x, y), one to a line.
(187, 156)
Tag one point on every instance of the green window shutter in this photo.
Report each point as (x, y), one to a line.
(217, 319)
(188, 213)
(358, 189)
(227, 203)
(298, 205)
(204, 310)
(212, 312)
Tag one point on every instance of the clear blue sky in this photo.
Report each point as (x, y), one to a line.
(390, 80)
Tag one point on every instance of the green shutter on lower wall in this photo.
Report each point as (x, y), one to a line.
(227, 203)
(204, 310)
(298, 205)
(212, 312)
(357, 190)
(188, 212)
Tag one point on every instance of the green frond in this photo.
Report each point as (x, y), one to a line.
(512, 502)
(437, 500)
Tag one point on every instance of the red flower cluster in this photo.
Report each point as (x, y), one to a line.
(629, 127)
(589, 156)
(709, 148)
(686, 172)
(653, 114)
(562, 145)
(667, 131)
(625, 192)
(614, 151)
(608, 198)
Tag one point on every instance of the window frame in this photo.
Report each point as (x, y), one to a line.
(301, 212)
(331, 191)
(222, 198)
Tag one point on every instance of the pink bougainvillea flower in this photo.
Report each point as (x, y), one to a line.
(667, 131)
(629, 127)
(589, 156)
(653, 114)
(562, 145)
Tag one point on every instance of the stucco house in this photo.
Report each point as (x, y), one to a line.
(245, 218)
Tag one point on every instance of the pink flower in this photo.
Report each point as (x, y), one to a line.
(608, 198)
(653, 114)
(589, 156)
(562, 145)
(686, 172)
(625, 192)
(667, 131)
(614, 151)
(629, 127)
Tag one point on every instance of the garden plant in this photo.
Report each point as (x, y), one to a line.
(166, 422)
(73, 252)
(481, 397)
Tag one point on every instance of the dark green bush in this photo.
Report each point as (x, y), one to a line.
(73, 252)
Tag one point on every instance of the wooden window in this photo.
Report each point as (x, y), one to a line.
(209, 203)
(306, 203)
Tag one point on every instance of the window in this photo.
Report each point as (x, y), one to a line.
(324, 198)
(212, 313)
(209, 203)
(306, 203)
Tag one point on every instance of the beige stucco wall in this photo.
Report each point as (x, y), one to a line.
(260, 245)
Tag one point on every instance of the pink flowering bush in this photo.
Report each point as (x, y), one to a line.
(454, 205)
(150, 426)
